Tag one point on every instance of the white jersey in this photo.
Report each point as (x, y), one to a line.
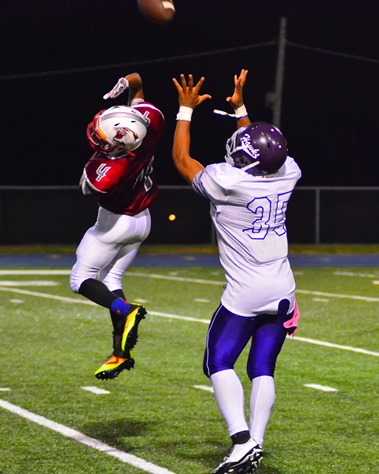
(249, 214)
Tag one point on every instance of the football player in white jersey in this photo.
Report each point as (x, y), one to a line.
(249, 194)
(120, 175)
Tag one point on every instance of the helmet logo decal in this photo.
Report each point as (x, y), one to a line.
(122, 132)
(248, 147)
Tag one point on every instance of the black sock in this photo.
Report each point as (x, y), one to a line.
(241, 437)
(97, 292)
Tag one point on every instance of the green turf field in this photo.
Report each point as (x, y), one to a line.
(160, 417)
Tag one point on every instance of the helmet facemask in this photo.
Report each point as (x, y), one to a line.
(240, 153)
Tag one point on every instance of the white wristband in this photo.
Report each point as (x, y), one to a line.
(185, 113)
(240, 112)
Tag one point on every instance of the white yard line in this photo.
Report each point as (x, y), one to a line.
(96, 390)
(179, 317)
(323, 388)
(157, 276)
(48, 296)
(356, 274)
(368, 299)
(335, 346)
(206, 388)
(28, 283)
(86, 440)
(35, 272)
(221, 283)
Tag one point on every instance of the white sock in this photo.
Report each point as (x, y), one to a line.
(261, 403)
(230, 400)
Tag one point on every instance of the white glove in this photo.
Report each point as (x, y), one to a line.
(119, 88)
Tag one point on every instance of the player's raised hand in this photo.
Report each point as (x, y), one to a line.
(121, 86)
(188, 93)
(236, 100)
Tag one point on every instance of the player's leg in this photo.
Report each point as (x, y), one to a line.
(125, 329)
(137, 229)
(112, 275)
(125, 332)
(227, 336)
(268, 338)
(97, 251)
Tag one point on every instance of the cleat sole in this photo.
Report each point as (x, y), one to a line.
(111, 374)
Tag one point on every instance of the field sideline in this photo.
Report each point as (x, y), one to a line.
(161, 416)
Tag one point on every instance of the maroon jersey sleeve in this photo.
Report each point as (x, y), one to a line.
(128, 185)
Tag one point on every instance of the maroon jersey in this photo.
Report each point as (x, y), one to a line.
(128, 185)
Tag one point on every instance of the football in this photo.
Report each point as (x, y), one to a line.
(159, 12)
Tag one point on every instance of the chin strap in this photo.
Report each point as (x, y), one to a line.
(221, 112)
(240, 112)
(245, 168)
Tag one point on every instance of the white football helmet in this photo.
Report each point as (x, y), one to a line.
(117, 130)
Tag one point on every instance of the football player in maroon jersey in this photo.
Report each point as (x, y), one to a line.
(120, 174)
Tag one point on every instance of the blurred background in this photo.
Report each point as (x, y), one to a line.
(60, 57)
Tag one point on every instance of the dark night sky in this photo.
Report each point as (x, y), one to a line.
(59, 58)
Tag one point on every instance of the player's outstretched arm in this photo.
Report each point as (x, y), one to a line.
(135, 86)
(189, 99)
(236, 100)
(132, 82)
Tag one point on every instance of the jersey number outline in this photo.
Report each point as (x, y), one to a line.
(145, 176)
(269, 214)
(101, 171)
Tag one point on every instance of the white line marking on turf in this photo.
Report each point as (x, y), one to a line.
(201, 300)
(369, 299)
(204, 387)
(221, 283)
(189, 280)
(321, 300)
(183, 318)
(320, 387)
(35, 272)
(28, 283)
(46, 295)
(5, 389)
(175, 278)
(176, 316)
(353, 274)
(335, 346)
(96, 390)
(81, 438)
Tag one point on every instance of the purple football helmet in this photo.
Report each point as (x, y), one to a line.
(259, 148)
